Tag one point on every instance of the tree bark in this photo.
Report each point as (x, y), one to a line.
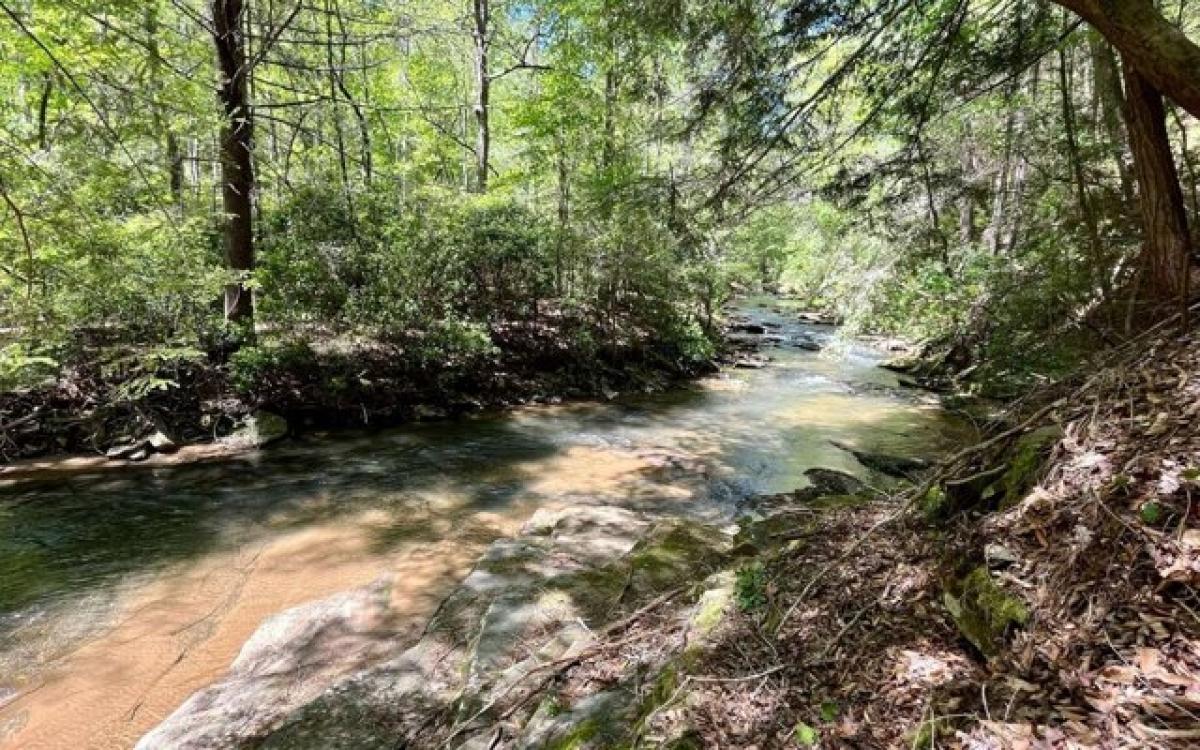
(1162, 54)
(236, 148)
(1110, 99)
(1075, 162)
(161, 125)
(1166, 250)
(43, 133)
(483, 93)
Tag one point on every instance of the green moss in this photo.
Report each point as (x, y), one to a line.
(1028, 454)
(577, 736)
(805, 736)
(926, 734)
(682, 551)
(665, 686)
(934, 503)
(983, 611)
(710, 609)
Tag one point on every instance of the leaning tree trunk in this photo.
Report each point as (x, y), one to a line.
(1167, 249)
(237, 169)
(1163, 54)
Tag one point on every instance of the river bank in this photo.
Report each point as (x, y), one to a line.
(130, 404)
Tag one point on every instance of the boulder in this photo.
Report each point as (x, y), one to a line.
(429, 413)
(534, 599)
(893, 466)
(134, 451)
(162, 443)
(833, 482)
(258, 430)
(291, 659)
(754, 328)
(983, 612)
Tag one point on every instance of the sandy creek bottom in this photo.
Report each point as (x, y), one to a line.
(123, 593)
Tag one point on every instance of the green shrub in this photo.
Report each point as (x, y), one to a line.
(750, 588)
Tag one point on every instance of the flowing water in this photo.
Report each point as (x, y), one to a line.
(123, 592)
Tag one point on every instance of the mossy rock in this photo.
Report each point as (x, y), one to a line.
(984, 612)
(598, 721)
(934, 504)
(675, 553)
(1028, 454)
(758, 535)
(711, 607)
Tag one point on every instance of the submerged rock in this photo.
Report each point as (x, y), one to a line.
(750, 363)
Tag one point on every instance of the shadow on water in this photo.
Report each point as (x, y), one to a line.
(89, 531)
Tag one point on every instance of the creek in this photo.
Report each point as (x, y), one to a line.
(123, 592)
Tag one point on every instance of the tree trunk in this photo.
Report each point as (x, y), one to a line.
(43, 133)
(1110, 100)
(483, 86)
(1163, 55)
(1166, 247)
(564, 212)
(966, 206)
(1075, 163)
(161, 125)
(336, 112)
(236, 143)
(1000, 185)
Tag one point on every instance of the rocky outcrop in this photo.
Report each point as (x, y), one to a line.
(531, 602)
(901, 467)
(291, 659)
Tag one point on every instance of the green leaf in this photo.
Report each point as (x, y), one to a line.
(805, 735)
(829, 711)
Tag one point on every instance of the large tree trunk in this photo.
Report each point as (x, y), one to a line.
(1162, 54)
(483, 93)
(1166, 250)
(237, 169)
